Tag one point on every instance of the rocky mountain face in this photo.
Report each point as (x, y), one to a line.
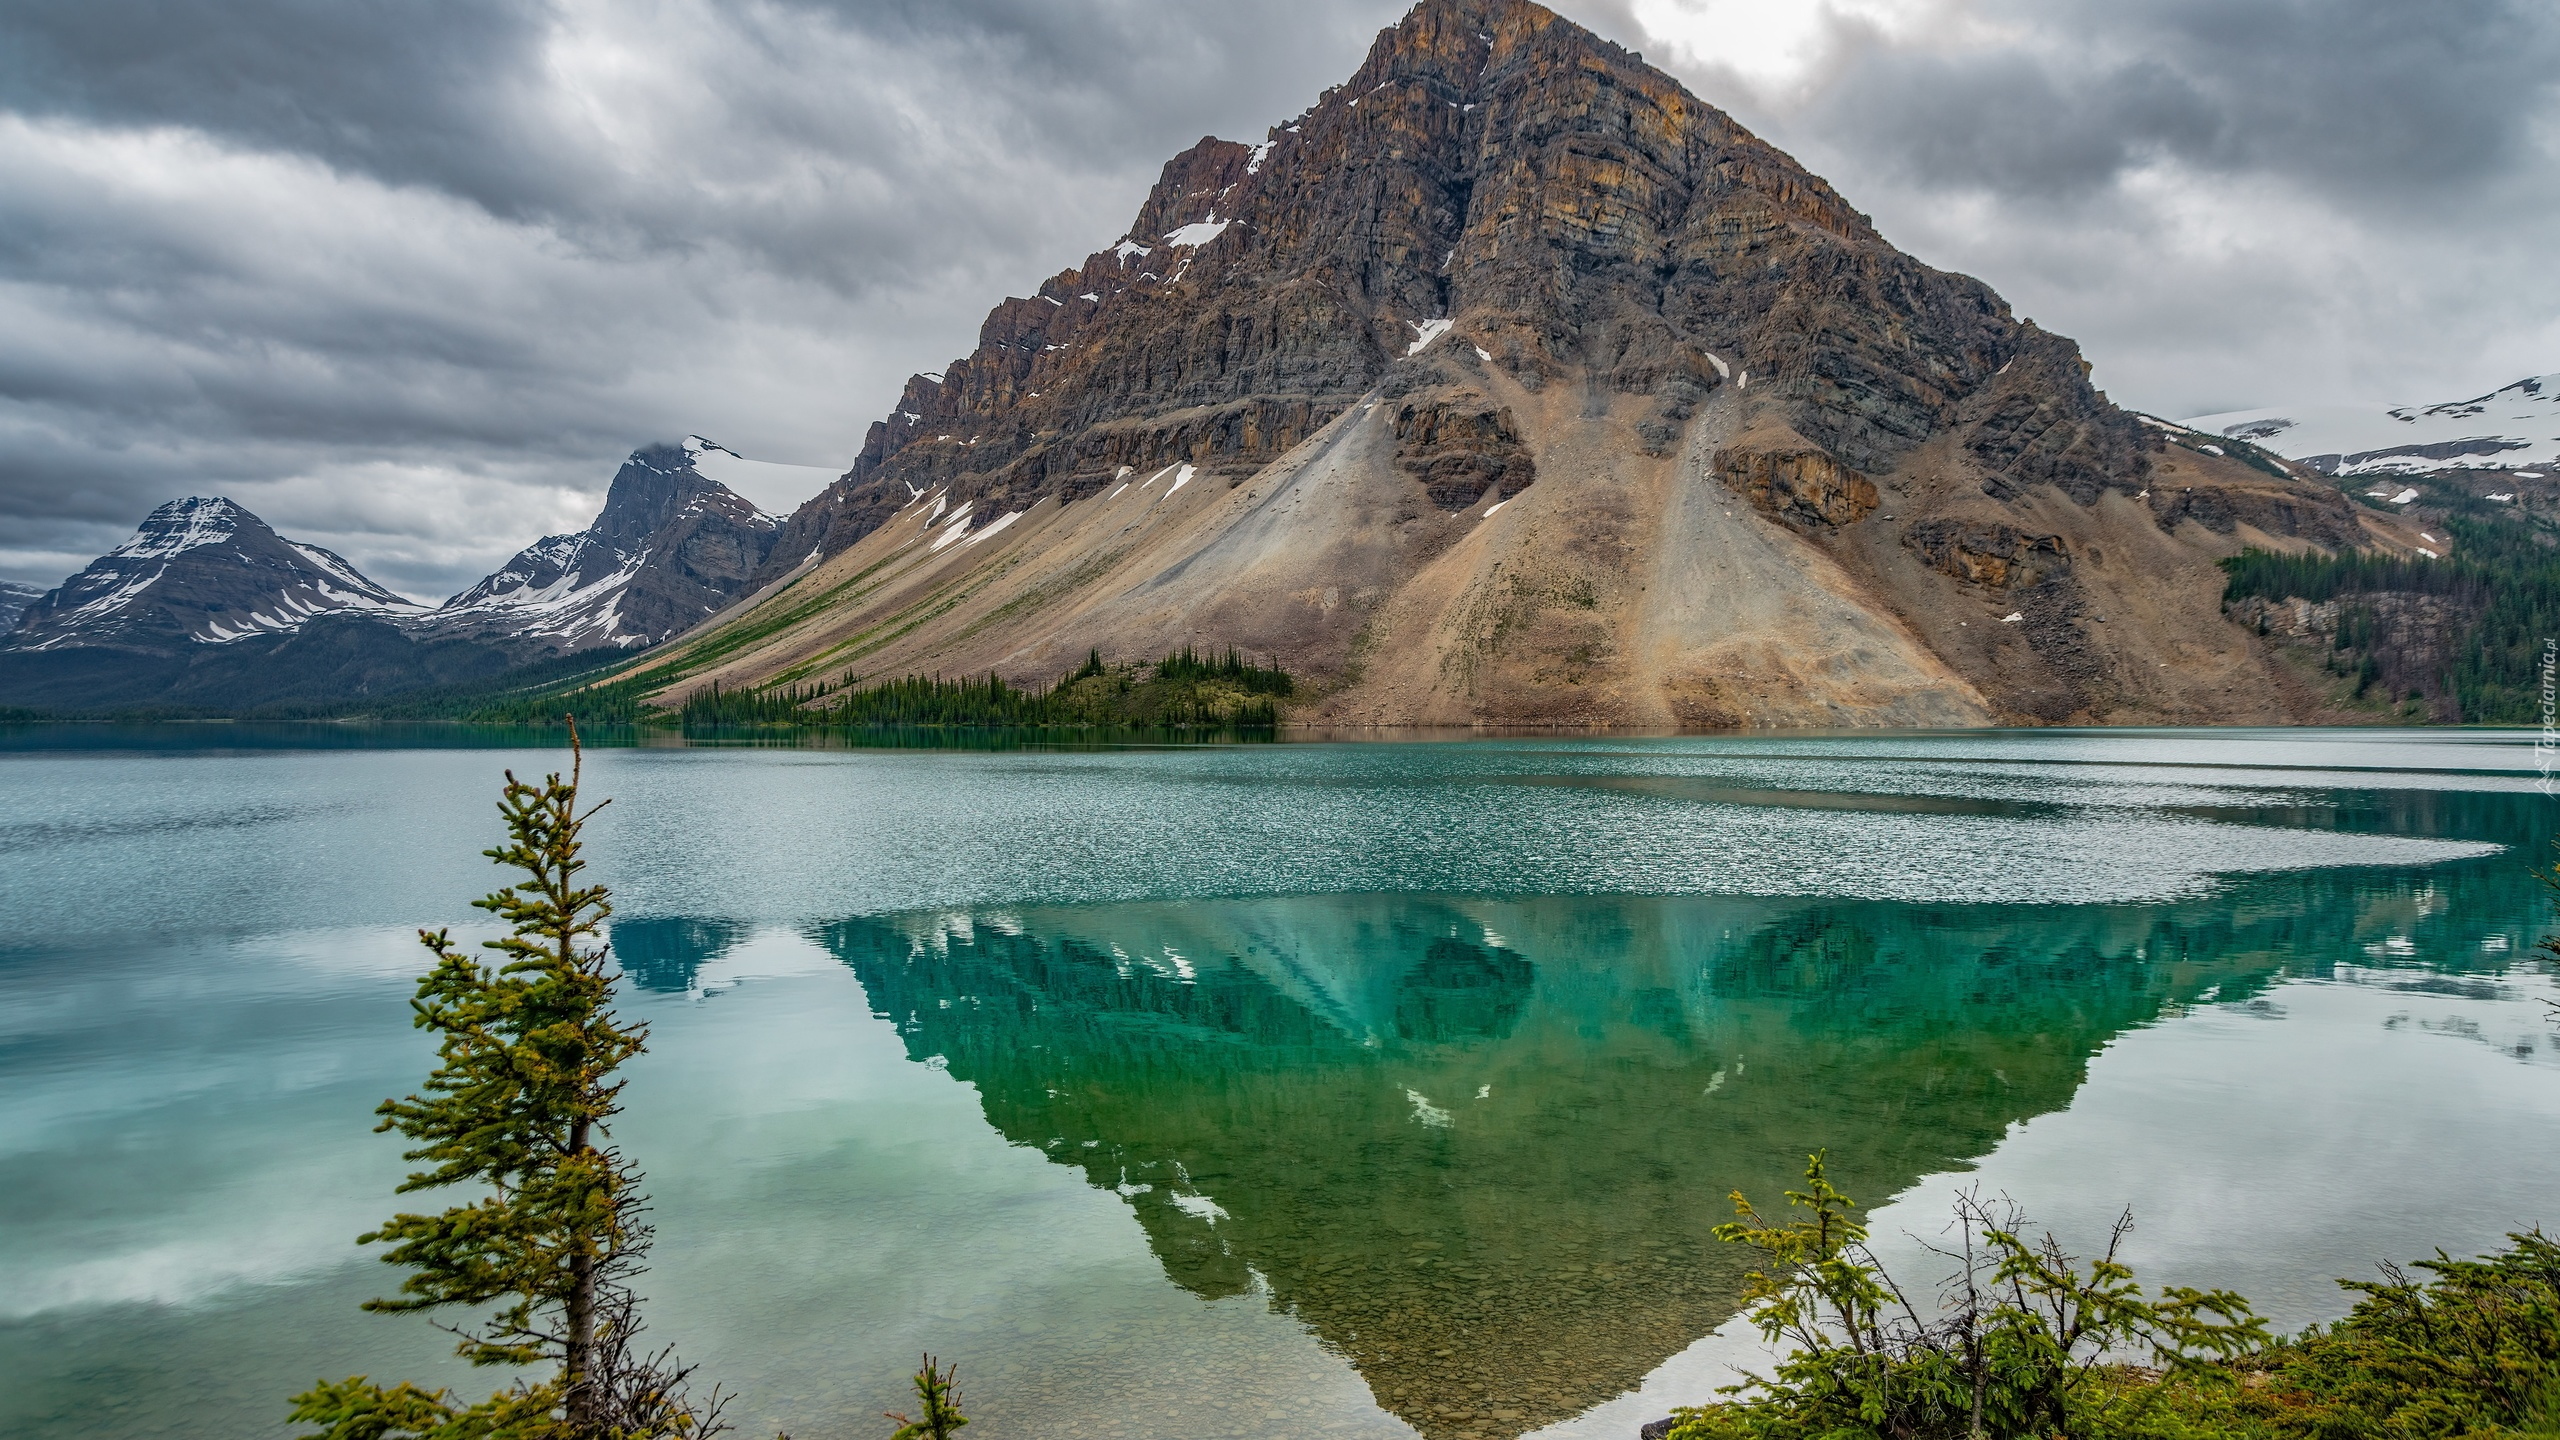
(207, 608)
(670, 547)
(1511, 383)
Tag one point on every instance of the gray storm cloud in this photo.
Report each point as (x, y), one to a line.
(409, 279)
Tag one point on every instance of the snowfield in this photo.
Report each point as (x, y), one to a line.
(2515, 426)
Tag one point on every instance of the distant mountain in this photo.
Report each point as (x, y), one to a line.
(208, 609)
(199, 571)
(14, 600)
(2514, 428)
(671, 546)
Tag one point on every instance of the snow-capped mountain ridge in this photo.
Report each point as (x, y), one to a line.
(202, 570)
(180, 526)
(670, 547)
(14, 600)
(2514, 426)
(207, 607)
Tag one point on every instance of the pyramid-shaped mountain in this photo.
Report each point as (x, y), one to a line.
(670, 547)
(202, 570)
(1512, 383)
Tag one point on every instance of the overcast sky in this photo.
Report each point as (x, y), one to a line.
(409, 278)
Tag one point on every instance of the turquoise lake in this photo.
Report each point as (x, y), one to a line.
(1359, 1089)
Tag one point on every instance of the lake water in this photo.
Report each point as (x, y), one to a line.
(1345, 1089)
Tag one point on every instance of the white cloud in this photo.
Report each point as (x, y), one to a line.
(1780, 49)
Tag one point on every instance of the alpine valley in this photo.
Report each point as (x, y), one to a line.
(1509, 384)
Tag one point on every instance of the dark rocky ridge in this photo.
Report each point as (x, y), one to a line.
(1580, 209)
(1463, 449)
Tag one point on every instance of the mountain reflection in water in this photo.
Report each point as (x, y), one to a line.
(1479, 1147)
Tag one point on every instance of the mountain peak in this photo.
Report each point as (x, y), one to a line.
(182, 525)
(201, 570)
(671, 546)
(1510, 382)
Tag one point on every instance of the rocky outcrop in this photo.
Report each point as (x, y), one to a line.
(2045, 425)
(1987, 553)
(2323, 517)
(1463, 449)
(2385, 647)
(1801, 485)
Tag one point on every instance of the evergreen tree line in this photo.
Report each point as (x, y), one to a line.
(2500, 574)
(1232, 667)
(715, 704)
(1183, 691)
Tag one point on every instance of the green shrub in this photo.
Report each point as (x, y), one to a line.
(2025, 1341)
(2022, 1341)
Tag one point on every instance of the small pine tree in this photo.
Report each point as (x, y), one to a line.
(938, 1395)
(518, 1103)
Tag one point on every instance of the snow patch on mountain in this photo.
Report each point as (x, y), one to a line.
(1197, 233)
(180, 526)
(2509, 427)
(200, 570)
